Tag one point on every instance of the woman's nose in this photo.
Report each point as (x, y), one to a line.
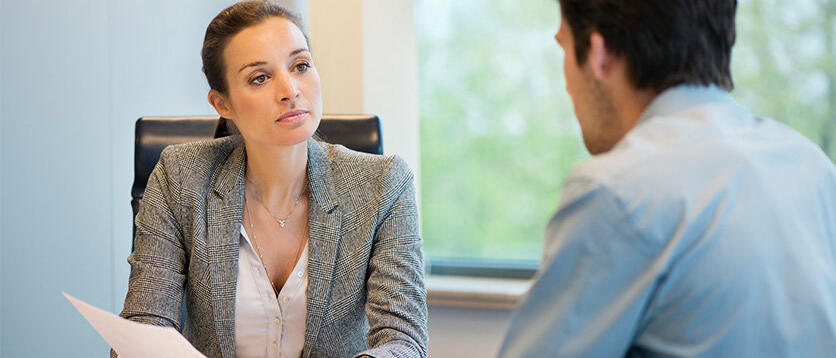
(286, 89)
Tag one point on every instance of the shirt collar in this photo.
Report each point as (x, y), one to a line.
(683, 97)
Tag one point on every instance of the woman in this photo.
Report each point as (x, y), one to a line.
(283, 246)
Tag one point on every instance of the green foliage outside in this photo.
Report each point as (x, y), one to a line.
(784, 65)
(498, 134)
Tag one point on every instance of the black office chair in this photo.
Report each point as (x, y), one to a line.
(153, 134)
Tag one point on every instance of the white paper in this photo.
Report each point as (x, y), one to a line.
(135, 340)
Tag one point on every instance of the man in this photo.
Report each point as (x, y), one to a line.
(696, 229)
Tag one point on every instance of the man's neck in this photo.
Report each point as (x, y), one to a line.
(630, 104)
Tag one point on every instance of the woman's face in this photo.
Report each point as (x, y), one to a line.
(273, 91)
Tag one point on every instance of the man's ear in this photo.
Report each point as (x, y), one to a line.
(219, 101)
(601, 60)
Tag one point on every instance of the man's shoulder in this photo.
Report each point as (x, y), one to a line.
(667, 171)
(624, 167)
(675, 151)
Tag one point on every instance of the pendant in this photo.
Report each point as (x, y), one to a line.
(282, 223)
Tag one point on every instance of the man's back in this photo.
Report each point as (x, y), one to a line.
(704, 232)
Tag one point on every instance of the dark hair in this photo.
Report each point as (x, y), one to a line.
(231, 21)
(665, 42)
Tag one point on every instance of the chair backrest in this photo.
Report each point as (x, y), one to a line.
(153, 134)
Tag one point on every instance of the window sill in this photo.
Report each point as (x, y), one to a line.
(475, 292)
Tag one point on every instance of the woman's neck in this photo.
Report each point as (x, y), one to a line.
(278, 173)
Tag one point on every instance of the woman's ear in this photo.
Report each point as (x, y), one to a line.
(219, 101)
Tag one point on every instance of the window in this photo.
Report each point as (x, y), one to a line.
(498, 133)
(497, 128)
(784, 65)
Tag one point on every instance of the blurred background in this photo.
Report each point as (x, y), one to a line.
(470, 93)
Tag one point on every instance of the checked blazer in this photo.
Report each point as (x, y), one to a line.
(365, 290)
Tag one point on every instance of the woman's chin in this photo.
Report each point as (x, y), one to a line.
(294, 136)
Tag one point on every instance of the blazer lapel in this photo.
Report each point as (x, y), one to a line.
(224, 209)
(324, 225)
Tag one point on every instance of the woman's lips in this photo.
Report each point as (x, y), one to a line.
(292, 116)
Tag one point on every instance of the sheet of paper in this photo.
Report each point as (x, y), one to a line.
(135, 340)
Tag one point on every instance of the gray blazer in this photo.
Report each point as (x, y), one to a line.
(365, 284)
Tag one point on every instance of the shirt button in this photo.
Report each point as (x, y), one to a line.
(278, 320)
(299, 274)
(285, 299)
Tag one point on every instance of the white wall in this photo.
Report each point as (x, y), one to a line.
(466, 332)
(366, 54)
(75, 76)
(56, 221)
(335, 28)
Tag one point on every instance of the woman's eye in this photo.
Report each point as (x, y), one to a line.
(260, 79)
(302, 67)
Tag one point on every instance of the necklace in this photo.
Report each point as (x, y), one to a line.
(282, 222)
(258, 248)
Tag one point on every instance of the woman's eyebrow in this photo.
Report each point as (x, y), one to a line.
(259, 63)
(252, 64)
(298, 51)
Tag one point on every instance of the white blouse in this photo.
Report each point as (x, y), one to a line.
(266, 325)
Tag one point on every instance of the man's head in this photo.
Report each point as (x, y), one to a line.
(621, 54)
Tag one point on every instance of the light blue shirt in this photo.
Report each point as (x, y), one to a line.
(705, 231)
